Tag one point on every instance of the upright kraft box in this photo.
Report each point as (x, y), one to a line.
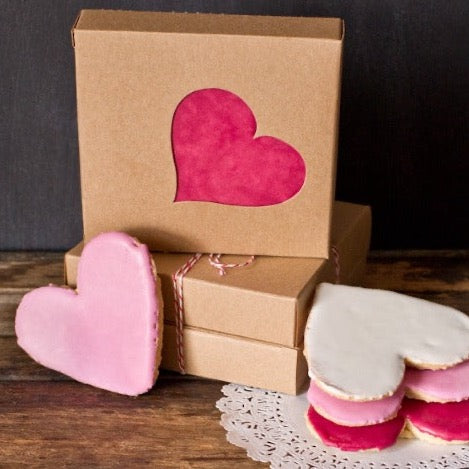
(209, 133)
(247, 326)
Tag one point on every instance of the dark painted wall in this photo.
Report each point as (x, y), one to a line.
(404, 132)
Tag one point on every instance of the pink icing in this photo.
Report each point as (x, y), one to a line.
(352, 412)
(379, 436)
(448, 421)
(106, 333)
(450, 385)
(218, 159)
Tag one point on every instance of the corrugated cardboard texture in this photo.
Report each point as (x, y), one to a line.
(268, 300)
(132, 70)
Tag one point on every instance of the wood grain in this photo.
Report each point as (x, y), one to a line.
(175, 425)
(48, 420)
(30, 270)
(435, 272)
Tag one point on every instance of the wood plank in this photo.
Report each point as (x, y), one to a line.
(8, 304)
(455, 299)
(416, 273)
(412, 271)
(16, 365)
(30, 269)
(176, 425)
(402, 271)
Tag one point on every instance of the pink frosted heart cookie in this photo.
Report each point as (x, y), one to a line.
(365, 438)
(352, 413)
(434, 422)
(450, 385)
(437, 422)
(107, 333)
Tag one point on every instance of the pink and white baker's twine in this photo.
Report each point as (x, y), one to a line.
(178, 276)
(214, 260)
(179, 307)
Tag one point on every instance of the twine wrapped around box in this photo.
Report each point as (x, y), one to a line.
(178, 276)
(215, 261)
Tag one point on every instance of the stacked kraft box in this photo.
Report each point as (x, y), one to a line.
(145, 130)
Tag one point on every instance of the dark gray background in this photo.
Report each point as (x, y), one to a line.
(404, 145)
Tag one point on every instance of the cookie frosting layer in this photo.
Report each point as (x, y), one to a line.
(357, 340)
(370, 437)
(448, 421)
(353, 413)
(435, 422)
(108, 332)
(450, 385)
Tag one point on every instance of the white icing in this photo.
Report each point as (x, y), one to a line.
(357, 340)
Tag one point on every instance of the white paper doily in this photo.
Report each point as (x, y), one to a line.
(270, 426)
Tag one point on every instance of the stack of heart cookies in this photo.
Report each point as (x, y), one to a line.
(384, 365)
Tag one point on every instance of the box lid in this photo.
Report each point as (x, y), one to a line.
(209, 23)
(209, 133)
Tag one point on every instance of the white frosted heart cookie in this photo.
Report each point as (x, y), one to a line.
(358, 340)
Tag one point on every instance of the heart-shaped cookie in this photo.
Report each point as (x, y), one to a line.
(358, 340)
(435, 422)
(366, 438)
(218, 159)
(108, 333)
(450, 385)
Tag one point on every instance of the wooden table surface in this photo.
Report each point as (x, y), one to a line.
(47, 420)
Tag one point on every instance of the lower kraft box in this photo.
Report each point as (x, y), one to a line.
(247, 326)
(236, 359)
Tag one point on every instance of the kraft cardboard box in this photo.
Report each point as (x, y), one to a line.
(268, 300)
(237, 360)
(209, 133)
(246, 332)
(247, 326)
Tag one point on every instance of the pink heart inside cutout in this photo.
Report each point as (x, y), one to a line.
(106, 333)
(219, 160)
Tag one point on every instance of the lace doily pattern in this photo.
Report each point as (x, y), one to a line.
(270, 427)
